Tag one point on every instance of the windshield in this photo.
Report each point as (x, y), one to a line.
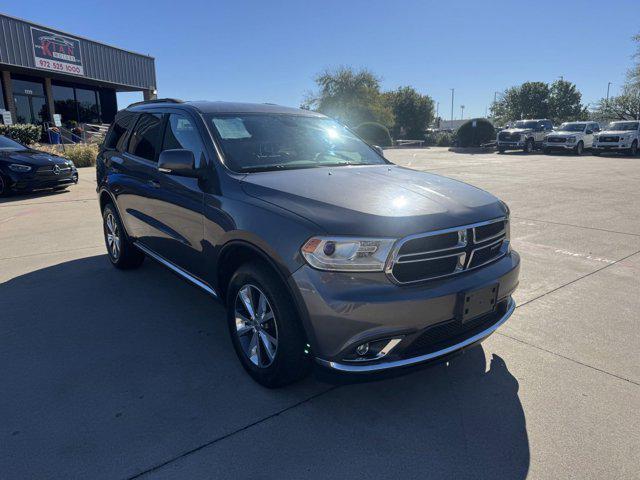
(8, 144)
(623, 126)
(573, 127)
(525, 124)
(263, 142)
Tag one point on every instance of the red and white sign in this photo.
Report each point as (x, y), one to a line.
(52, 51)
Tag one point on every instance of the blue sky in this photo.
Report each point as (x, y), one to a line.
(268, 51)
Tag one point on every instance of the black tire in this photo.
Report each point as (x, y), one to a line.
(528, 146)
(289, 363)
(633, 151)
(501, 150)
(4, 187)
(579, 150)
(126, 256)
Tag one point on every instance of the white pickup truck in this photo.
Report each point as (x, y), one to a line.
(572, 136)
(622, 136)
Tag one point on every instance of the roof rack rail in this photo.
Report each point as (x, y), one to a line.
(157, 100)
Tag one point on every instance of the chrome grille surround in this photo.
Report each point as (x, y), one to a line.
(469, 243)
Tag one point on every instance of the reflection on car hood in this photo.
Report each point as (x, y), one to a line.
(617, 132)
(517, 130)
(565, 133)
(380, 200)
(31, 157)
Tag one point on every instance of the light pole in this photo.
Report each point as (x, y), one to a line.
(452, 94)
(461, 112)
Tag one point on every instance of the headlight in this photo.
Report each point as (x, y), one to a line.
(571, 139)
(347, 254)
(16, 167)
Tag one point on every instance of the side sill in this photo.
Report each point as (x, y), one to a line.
(183, 273)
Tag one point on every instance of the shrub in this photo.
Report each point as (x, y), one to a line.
(470, 136)
(440, 139)
(374, 134)
(82, 154)
(23, 133)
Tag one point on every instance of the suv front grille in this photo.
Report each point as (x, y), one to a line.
(609, 138)
(438, 254)
(509, 137)
(556, 139)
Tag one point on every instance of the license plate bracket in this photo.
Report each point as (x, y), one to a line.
(478, 302)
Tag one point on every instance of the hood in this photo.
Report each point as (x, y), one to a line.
(565, 133)
(376, 201)
(617, 132)
(518, 130)
(32, 157)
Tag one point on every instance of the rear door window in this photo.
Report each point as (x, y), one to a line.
(181, 133)
(146, 137)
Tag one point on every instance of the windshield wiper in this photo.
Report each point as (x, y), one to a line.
(277, 166)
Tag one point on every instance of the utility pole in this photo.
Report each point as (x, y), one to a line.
(452, 94)
(461, 112)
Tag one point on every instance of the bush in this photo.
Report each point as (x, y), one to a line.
(440, 139)
(82, 154)
(470, 136)
(23, 133)
(374, 134)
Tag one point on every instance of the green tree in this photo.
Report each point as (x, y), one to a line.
(529, 100)
(625, 106)
(634, 72)
(351, 96)
(565, 102)
(413, 112)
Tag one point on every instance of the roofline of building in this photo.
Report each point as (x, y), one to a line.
(39, 25)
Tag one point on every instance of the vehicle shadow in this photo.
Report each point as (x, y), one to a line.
(20, 196)
(108, 373)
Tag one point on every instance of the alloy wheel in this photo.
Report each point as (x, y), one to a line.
(113, 236)
(256, 326)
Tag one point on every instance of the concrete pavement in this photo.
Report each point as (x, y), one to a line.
(110, 374)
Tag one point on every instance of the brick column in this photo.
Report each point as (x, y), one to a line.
(8, 90)
(48, 92)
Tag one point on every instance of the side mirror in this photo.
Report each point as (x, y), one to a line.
(178, 162)
(589, 132)
(379, 150)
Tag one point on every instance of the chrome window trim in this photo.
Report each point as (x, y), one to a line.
(351, 368)
(462, 230)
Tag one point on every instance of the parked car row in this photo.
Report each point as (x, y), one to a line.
(528, 135)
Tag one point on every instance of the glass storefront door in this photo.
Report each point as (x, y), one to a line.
(31, 109)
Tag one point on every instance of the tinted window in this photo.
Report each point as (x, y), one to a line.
(182, 133)
(115, 137)
(145, 139)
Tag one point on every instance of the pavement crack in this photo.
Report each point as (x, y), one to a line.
(230, 434)
(576, 226)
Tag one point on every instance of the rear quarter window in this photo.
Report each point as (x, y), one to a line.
(117, 133)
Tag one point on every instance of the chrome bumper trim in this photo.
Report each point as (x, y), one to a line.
(350, 368)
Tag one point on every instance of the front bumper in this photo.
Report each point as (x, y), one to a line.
(342, 310)
(26, 182)
(559, 146)
(611, 147)
(511, 145)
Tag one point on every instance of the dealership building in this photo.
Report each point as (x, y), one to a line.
(52, 76)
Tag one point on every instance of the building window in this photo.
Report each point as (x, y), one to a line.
(88, 106)
(64, 103)
(26, 86)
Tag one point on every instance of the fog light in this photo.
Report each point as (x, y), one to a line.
(363, 349)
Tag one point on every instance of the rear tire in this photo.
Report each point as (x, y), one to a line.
(270, 364)
(122, 253)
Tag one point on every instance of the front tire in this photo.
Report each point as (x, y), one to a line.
(579, 148)
(501, 150)
(528, 147)
(633, 151)
(5, 191)
(265, 327)
(122, 253)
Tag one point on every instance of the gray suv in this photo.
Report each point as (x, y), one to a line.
(321, 250)
(525, 135)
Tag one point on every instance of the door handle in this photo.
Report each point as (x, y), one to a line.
(154, 183)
